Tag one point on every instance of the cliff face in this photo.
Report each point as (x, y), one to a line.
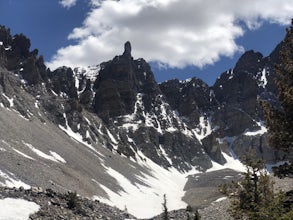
(87, 129)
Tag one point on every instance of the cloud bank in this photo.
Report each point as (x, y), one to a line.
(175, 33)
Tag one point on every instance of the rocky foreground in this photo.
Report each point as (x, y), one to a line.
(59, 206)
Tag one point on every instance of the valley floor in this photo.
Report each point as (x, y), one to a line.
(48, 204)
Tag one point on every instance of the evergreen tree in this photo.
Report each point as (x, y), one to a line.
(196, 215)
(279, 120)
(253, 197)
(72, 200)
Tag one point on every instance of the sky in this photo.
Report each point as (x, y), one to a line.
(179, 38)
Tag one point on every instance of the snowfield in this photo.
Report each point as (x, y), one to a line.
(17, 209)
(145, 201)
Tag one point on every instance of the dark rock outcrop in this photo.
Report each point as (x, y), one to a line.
(118, 83)
(192, 98)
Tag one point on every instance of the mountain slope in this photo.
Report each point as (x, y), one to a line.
(111, 132)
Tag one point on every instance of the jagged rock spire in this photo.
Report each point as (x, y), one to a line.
(127, 49)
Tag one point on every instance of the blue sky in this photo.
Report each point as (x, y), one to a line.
(181, 39)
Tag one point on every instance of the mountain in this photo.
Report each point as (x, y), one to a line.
(111, 132)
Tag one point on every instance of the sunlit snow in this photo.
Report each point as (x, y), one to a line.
(111, 137)
(165, 155)
(11, 181)
(36, 104)
(230, 73)
(185, 81)
(17, 209)
(53, 155)
(232, 163)
(145, 201)
(204, 128)
(90, 72)
(76, 136)
(57, 157)
(264, 78)
(10, 100)
(161, 117)
(261, 131)
(220, 199)
(23, 154)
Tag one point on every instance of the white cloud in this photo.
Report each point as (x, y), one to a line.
(173, 32)
(67, 3)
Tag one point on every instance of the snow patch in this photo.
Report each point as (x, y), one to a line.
(111, 137)
(53, 156)
(165, 155)
(77, 136)
(161, 117)
(129, 120)
(145, 201)
(231, 74)
(87, 120)
(87, 134)
(261, 131)
(37, 104)
(11, 181)
(203, 129)
(232, 163)
(7, 48)
(90, 72)
(57, 157)
(10, 100)
(263, 78)
(23, 154)
(211, 95)
(220, 199)
(54, 93)
(186, 80)
(17, 151)
(17, 209)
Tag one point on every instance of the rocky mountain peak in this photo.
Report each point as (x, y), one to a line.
(249, 61)
(15, 56)
(118, 83)
(127, 50)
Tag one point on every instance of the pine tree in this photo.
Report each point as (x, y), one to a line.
(279, 120)
(253, 196)
(196, 215)
(73, 201)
